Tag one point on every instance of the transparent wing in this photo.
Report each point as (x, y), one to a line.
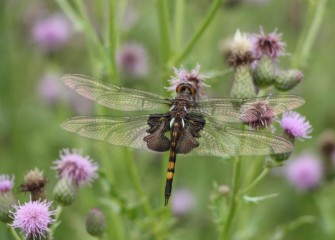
(121, 131)
(230, 110)
(222, 141)
(115, 97)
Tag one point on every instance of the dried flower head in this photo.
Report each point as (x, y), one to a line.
(270, 45)
(76, 167)
(192, 77)
(6, 183)
(305, 172)
(295, 125)
(183, 202)
(34, 182)
(258, 115)
(52, 32)
(327, 142)
(33, 218)
(132, 59)
(241, 51)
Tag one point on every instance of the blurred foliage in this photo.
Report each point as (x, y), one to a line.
(30, 133)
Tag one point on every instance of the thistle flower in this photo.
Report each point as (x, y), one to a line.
(34, 182)
(295, 125)
(65, 191)
(305, 172)
(132, 60)
(241, 51)
(50, 88)
(258, 115)
(192, 77)
(270, 45)
(6, 183)
(79, 169)
(95, 222)
(183, 202)
(52, 32)
(33, 218)
(6, 197)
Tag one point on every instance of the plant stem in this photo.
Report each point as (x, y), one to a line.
(112, 42)
(14, 233)
(53, 228)
(233, 201)
(309, 34)
(179, 23)
(254, 183)
(164, 27)
(210, 16)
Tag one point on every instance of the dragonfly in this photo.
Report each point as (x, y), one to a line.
(185, 124)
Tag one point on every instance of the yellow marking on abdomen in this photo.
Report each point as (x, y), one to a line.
(169, 175)
(171, 165)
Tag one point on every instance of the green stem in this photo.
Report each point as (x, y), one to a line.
(53, 228)
(135, 178)
(233, 201)
(179, 23)
(112, 42)
(14, 233)
(210, 16)
(254, 183)
(309, 34)
(164, 27)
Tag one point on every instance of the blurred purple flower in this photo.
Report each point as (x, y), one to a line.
(50, 88)
(270, 45)
(192, 77)
(183, 202)
(6, 183)
(76, 167)
(52, 32)
(305, 172)
(33, 218)
(132, 59)
(295, 125)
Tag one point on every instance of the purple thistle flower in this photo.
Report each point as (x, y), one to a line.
(6, 183)
(305, 172)
(295, 125)
(50, 88)
(183, 202)
(81, 170)
(192, 77)
(33, 218)
(132, 60)
(270, 45)
(52, 32)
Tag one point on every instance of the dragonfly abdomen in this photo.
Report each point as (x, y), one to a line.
(176, 131)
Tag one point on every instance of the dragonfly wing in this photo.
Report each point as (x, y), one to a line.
(116, 97)
(231, 110)
(223, 141)
(120, 131)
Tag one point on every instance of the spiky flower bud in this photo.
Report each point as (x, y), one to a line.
(243, 86)
(286, 80)
(65, 191)
(34, 182)
(6, 197)
(265, 73)
(241, 51)
(95, 223)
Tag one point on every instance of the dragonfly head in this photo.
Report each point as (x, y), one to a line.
(186, 88)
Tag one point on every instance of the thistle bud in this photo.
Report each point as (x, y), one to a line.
(286, 80)
(34, 182)
(243, 86)
(95, 223)
(264, 74)
(65, 191)
(327, 142)
(6, 197)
